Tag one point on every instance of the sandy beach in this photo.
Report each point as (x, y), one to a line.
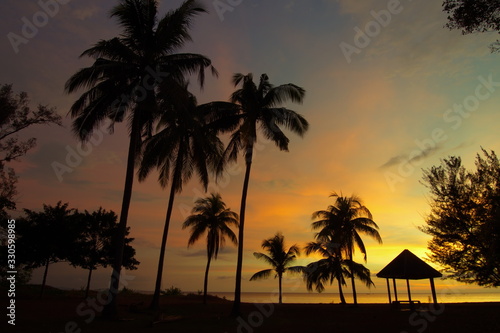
(69, 313)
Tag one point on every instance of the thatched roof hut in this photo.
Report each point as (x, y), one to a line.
(408, 266)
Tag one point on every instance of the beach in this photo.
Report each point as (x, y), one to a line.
(67, 312)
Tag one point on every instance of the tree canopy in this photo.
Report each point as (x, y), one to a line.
(464, 221)
(472, 16)
(15, 116)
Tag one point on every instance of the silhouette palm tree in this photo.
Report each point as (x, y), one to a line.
(122, 83)
(211, 216)
(342, 224)
(187, 143)
(279, 258)
(332, 267)
(260, 107)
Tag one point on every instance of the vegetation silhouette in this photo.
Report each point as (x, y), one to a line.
(279, 258)
(464, 219)
(46, 237)
(93, 246)
(325, 270)
(341, 224)
(122, 83)
(186, 143)
(211, 216)
(16, 115)
(472, 16)
(260, 106)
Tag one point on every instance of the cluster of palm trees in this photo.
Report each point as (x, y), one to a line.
(339, 232)
(141, 78)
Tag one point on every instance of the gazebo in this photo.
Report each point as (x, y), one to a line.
(409, 267)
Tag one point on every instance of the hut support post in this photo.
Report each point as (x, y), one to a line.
(408, 287)
(389, 290)
(395, 290)
(433, 289)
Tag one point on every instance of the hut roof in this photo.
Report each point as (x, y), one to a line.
(408, 266)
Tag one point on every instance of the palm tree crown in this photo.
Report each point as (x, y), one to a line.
(279, 258)
(211, 216)
(341, 225)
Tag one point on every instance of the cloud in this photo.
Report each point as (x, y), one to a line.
(416, 156)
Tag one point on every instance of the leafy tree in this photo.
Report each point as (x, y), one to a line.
(46, 237)
(187, 142)
(342, 224)
(93, 247)
(464, 220)
(473, 16)
(123, 81)
(211, 216)
(15, 116)
(260, 107)
(279, 258)
(332, 267)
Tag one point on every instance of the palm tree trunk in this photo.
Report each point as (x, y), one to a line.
(110, 309)
(341, 293)
(155, 303)
(205, 284)
(88, 283)
(280, 297)
(44, 280)
(354, 295)
(235, 312)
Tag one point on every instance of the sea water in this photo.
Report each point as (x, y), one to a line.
(326, 298)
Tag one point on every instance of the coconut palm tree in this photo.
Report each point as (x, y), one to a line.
(211, 216)
(279, 258)
(122, 83)
(260, 108)
(332, 267)
(342, 223)
(186, 143)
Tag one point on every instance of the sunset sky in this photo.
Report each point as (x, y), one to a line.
(381, 107)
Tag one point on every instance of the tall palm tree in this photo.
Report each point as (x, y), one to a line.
(211, 216)
(279, 258)
(260, 107)
(342, 223)
(186, 143)
(122, 83)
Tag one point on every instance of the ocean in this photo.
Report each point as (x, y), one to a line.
(315, 298)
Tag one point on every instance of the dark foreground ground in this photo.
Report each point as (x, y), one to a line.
(67, 312)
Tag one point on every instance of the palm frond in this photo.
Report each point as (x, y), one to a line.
(264, 274)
